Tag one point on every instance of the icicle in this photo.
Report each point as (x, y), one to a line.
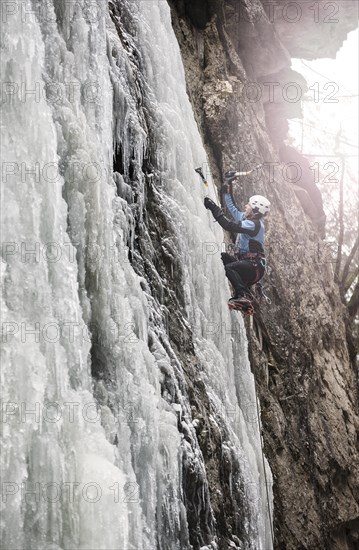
(113, 453)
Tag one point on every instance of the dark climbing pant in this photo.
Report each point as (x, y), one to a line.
(241, 273)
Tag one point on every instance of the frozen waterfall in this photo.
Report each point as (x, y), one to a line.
(98, 431)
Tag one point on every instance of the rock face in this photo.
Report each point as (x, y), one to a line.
(306, 378)
(312, 30)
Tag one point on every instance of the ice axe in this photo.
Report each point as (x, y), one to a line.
(233, 174)
(204, 180)
(200, 172)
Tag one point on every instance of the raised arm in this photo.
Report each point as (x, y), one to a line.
(249, 227)
(232, 207)
(229, 177)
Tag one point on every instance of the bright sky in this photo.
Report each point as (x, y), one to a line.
(331, 84)
(332, 103)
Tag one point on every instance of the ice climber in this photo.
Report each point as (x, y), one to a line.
(247, 266)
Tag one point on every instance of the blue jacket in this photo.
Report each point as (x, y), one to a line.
(247, 229)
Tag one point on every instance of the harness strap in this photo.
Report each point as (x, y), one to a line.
(251, 256)
(257, 259)
(258, 275)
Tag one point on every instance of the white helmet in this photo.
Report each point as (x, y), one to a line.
(259, 204)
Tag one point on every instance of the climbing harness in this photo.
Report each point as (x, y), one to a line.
(257, 259)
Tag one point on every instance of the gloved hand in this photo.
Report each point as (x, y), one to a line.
(210, 205)
(228, 178)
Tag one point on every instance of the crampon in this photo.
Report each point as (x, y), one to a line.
(241, 304)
